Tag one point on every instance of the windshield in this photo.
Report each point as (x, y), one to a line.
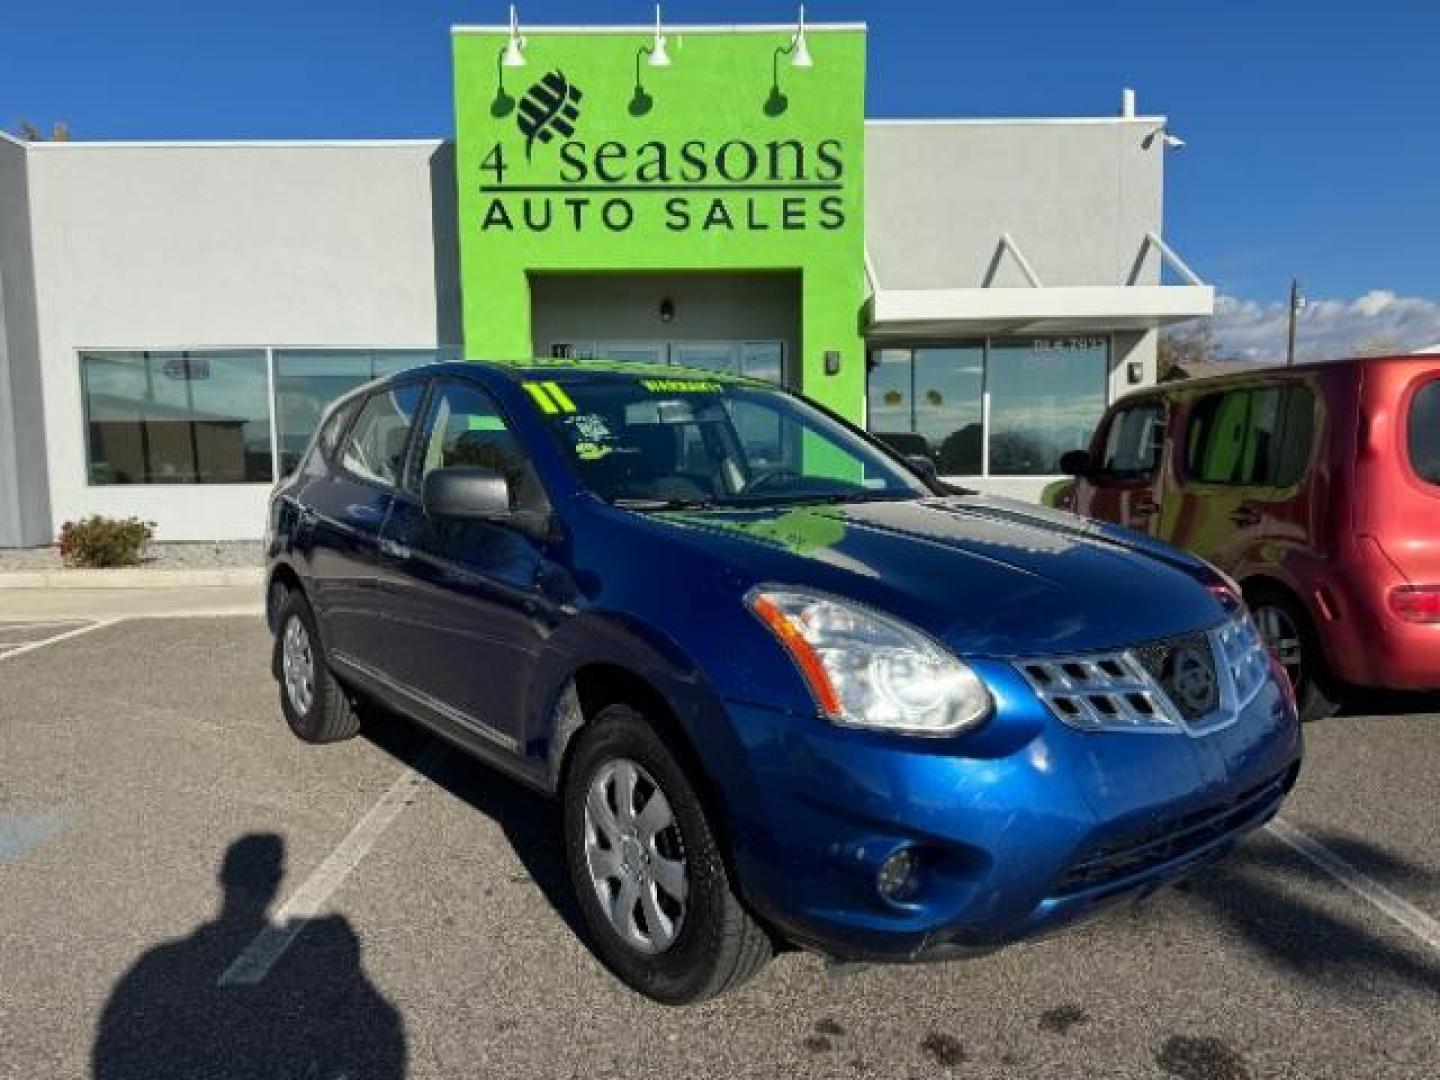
(672, 441)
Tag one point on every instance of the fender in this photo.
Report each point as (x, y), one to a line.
(603, 638)
(554, 716)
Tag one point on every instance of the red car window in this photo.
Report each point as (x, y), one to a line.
(1424, 426)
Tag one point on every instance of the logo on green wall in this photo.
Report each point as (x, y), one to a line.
(730, 185)
(549, 108)
(689, 166)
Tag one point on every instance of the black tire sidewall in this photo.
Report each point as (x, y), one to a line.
(1316, 696)
(688, 968)
(305, 725)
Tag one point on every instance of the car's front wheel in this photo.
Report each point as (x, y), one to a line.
(316, 706)
(647, 868)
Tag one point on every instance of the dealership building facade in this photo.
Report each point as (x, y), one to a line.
(175, 316)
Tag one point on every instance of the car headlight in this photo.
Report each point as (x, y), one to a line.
(867, 670)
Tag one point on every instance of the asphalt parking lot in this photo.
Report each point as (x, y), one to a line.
(188, 891)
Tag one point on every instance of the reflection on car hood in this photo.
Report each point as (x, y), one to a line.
(988, 576)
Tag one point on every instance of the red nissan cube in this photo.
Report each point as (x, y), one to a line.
(1317, 487)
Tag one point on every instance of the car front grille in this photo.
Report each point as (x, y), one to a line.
(1192, 684)
(1145, 849)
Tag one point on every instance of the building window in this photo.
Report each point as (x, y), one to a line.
(308, 380)
(1045, 396)
(177, 417)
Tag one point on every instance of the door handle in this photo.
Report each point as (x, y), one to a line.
(1245, 516)
(1144, 508)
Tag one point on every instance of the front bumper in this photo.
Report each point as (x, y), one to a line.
(1019, 828)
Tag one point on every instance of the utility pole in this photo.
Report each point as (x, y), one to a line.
(1297, 302)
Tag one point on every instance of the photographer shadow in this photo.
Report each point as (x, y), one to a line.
(312, 1015)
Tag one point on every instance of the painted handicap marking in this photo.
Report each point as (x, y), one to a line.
(19, 836)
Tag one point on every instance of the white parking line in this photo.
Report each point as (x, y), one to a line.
(1402, 911)
(30, 646)
(252, 965)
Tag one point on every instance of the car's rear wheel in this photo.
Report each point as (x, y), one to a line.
(647, 869)
(316, 706)
(1290, 636)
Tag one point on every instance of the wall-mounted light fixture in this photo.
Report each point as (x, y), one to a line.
(667, 310)
(799, 53)
(799, 49)
(514, 54)
(1167, 139)
(656, 55)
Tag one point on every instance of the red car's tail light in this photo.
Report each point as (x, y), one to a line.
(1416, 603)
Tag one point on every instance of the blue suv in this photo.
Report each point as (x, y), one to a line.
(786, 686)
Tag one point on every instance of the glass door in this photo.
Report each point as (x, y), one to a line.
(721, 356)
(757, 359)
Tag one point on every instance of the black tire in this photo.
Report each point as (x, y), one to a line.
(328, 715)
(718, 945)
(1317, 694)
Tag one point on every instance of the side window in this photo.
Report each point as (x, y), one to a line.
(1216, 444)
(326, 440)
(1134, 442)
(464, 427)
(374, 449)
(329, 438)
(1256, 438)
(1424, 425)
(1296, 435)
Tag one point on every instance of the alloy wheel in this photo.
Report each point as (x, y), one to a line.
(1282, 638)
(635, 856)
(297, 661)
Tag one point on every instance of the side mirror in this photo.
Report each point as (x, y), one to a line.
(1076, 463)
(466, 491)
(923, 465)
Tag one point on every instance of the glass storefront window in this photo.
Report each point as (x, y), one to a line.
(308, 380)
(1046, 396)
(177, 417)
(889, 394)
(949, 389)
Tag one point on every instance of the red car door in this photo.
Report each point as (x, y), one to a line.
(1242, 501)
(1123, 483)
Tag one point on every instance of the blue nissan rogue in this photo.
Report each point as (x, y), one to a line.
(786, 686)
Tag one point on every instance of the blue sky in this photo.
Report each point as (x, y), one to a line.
(1313, 129)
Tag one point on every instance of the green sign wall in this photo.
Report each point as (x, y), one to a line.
(589, 160)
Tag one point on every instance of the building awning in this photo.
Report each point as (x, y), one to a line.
(1040, 309)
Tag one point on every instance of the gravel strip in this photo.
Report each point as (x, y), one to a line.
(209, 556)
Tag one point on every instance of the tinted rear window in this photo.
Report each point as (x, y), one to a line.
(1252, 437)
(1425, 431)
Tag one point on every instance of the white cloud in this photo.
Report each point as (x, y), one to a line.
(1249, 330)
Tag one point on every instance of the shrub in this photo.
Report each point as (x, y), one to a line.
(100, 541)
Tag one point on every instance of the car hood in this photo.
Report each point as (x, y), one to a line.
(989, 577)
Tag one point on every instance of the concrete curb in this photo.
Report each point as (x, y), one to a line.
(131, 578)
